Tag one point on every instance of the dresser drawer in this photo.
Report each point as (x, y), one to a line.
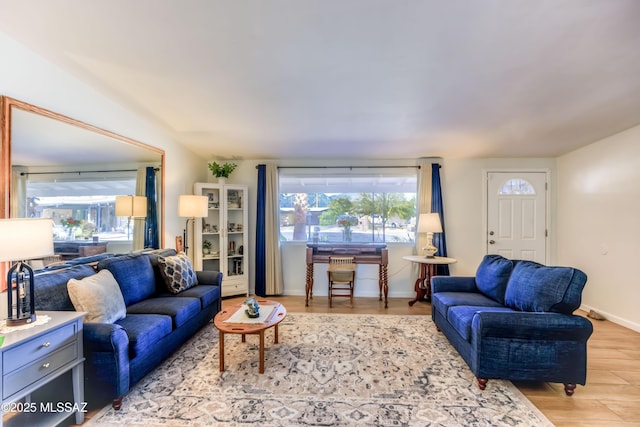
(17, 380)
(234, 288)
(35, 348)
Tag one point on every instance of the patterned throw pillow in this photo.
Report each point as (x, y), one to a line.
(177, 272)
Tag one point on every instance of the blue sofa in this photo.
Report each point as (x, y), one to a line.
(514, 320)
(157, 321)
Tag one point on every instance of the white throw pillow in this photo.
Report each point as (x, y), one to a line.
(100, 296)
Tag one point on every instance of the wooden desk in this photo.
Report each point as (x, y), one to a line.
(373, 253)
(427, 267)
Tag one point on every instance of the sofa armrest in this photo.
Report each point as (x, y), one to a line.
(209, 278)
(532, 326)
(105, 337)
(106, 348)
(453, 284)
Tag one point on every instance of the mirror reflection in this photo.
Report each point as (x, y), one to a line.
(73, 173)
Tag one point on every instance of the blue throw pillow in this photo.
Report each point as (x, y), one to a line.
(134, 274)
(177, 272)
(537, 288)
(493, 275)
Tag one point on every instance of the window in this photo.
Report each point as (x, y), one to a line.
(364, 205)
(80, 207)
(517, 186)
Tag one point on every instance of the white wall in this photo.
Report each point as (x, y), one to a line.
(462, 182)
(463, 190)
(599, 223)
(27, 77)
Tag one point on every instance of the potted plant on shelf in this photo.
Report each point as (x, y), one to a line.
(222, 171)
(206, 247)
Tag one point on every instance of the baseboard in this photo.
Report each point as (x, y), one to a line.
(613, 318)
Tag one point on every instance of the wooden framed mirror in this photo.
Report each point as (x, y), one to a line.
(36, 141)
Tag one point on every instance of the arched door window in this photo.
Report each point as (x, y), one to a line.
(517, 186)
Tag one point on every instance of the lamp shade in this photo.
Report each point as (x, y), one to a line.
(193, 206)
(131, 206)
(429, 223)
(25, 238)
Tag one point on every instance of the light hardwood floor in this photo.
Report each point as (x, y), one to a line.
(610, 398)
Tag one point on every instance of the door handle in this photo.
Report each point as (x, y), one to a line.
(492, 242)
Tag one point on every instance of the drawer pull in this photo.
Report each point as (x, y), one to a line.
(46, 365)
(47, 344)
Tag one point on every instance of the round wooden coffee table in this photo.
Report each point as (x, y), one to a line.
(234, 320)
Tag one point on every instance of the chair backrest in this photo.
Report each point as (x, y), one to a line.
(341, 263)
(341, 269)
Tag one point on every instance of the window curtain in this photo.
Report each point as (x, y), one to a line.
(151, 222)
(18, 208)
(423, 202)
(437, 205)
(268, 265)
(139, 223)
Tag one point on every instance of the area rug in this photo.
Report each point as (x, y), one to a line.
(327, 370)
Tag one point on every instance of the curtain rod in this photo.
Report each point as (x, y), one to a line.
(347, 167)
(81, 172)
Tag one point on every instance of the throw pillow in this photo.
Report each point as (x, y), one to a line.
(493, 275)
(535, 287)
(99, 295)
(177, 272)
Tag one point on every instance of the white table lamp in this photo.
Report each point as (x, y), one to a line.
(192, 207)
(429, 223)
(23, 239)
(131, 207)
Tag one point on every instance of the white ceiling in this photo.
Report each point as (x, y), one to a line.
(375, 79)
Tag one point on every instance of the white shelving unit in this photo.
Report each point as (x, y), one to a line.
(225, 228)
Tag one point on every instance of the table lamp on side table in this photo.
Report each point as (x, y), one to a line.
(23, 239)
(429, 223)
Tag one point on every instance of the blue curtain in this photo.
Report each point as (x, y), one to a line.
(439, 239)
(261, 245)
(151, 222)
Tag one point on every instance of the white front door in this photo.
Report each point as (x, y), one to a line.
(516, 215)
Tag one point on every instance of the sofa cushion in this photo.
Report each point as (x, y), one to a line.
(99, 295)
(442, 301)
(177, 272)
(50, 287)
(207, 294)
(144, 331)
(537, 288)
(134, 274)
(493, 275)
(179, 309)
(461, 317)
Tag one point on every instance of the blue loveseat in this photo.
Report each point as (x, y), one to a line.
(157, 320)
(514, 320)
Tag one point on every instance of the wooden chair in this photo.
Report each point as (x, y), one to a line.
(342, 277)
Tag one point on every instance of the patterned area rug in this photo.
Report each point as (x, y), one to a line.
(327, 370)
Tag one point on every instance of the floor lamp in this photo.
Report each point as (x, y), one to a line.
(429, 223)
(192, 207)
(131, 207)
(23, 239)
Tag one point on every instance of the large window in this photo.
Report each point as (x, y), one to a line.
(365, 205)
(81, 207)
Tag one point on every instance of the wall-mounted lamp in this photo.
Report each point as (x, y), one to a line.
(192, 207)
(23, 239)
(429, 223)
(131, 207)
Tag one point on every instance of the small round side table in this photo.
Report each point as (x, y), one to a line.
(427, 268)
